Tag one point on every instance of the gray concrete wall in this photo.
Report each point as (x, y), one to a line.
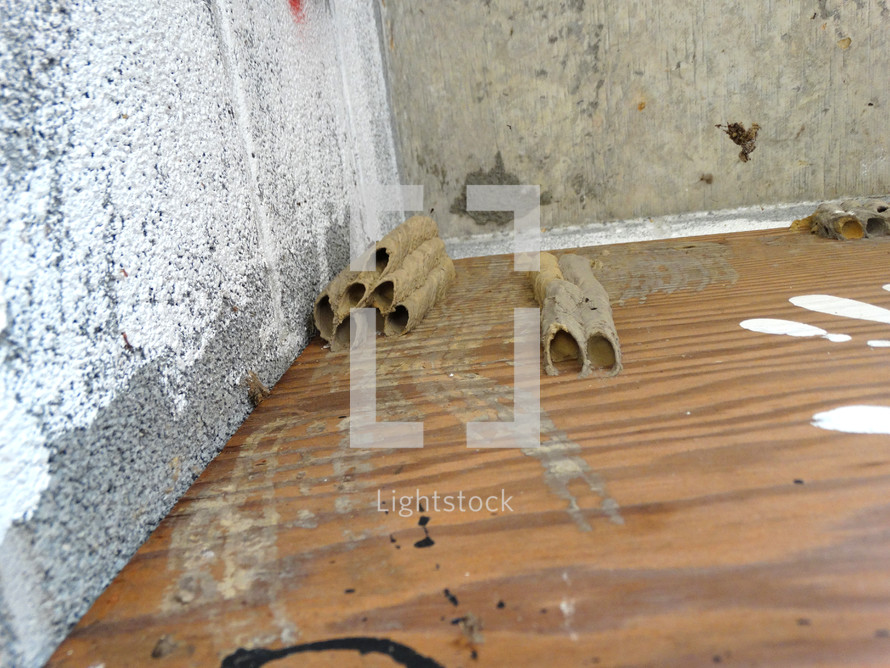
(176, 182)
(611, 106)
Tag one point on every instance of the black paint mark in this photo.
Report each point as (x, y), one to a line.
(423, 521)
(426, 542)
(803, 621)
(401, 654)
(451, 597)
(500, 605)
(474, 654)
(798, 481)
(349, 591)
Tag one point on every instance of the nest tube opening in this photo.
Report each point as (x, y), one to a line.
(381, 260)
(324, 317)
(340, 340)
(849, 227)
(397, 320)
(383, 295)
(562, 353)
(355, 292)
(601, 352)
(875, 227)
(563, 346)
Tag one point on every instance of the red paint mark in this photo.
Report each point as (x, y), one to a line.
(296, 6)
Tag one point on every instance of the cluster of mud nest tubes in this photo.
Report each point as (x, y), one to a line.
(411, 272)
(849, 219)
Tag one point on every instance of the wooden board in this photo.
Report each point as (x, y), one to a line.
(684, 513)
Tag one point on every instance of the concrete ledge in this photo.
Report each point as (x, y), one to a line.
(641, 229)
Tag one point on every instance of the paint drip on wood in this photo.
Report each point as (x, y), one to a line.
(855, 419)
(841, 306)
(790, 328)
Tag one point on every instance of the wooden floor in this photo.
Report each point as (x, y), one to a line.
(684, 513)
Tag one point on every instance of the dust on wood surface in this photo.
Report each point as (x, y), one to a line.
(685, 512)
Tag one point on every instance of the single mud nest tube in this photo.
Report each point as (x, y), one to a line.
(576, 316)
(407, 312)
(395, 286)
(411, 272)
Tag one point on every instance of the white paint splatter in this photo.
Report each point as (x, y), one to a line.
(879, 343)
(855, 419)
(567, 606)
(790, 328)
(847, 308)
(886, 286)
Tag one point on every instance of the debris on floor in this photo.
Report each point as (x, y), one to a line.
(849, 219)
(256, 391)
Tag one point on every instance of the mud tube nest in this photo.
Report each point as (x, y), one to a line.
(411, 272)
(848, 219)
(576, 316)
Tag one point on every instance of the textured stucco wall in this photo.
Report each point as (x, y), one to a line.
(177, 179)
(611, 106)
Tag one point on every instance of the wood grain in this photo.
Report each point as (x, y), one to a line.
(683, 513)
